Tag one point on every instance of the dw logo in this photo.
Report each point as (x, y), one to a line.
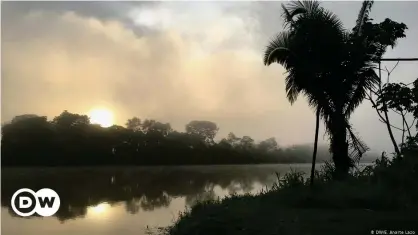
(45, 202)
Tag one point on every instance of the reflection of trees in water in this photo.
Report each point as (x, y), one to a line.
(207, 194)
(71, 213)
(149, 203)
(139, 188)
(134, 205)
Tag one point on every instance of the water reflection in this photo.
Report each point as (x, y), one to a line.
(99, 209)
(91, 191)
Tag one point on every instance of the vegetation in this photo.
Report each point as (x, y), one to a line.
(69, 139)
(382, 196)
(333, 67)
(402, 99)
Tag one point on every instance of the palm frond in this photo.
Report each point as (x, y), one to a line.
(300, 7)
(278, 49)
(357, 147)
(293, 89)
(364, 81)
(294, 9)
(287, 17)
(362, 16)
(333, 20)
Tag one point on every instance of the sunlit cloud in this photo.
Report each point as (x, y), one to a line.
(171, 61)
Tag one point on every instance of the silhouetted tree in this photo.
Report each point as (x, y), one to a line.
(268, 145)
(152, 126)
(403, 100)
(247, 142)
(27, 139)
(333, 67)
(134, 124)
(28, 117)
(205, 130)
(147, 125)
(67, 119)
(233, 140)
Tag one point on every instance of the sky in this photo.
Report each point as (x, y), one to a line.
(173, 62)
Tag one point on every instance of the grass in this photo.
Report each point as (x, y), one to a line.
(382, 196)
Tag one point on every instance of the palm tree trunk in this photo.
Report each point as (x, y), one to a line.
(315, 146)
(339, 147)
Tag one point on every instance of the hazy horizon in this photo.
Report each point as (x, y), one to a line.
(173, 62)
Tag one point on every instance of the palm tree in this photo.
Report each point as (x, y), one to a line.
(293, 88)
(332, 67)
(299, 51)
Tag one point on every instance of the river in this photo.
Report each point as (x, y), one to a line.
(116, 200)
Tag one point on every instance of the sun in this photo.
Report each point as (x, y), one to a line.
(103, 117)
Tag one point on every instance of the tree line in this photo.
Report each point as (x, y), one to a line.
(70, 139)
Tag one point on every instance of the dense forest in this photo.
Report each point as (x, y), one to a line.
(70, 139)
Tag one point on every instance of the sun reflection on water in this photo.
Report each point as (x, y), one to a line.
(101, 209)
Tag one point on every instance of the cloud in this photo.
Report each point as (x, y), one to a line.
(56, 61)
(184, 64)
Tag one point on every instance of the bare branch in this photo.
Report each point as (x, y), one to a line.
(406, 124)
(377, 111)
(397, 112)
(412, 124)
(403, 133)
(409, 83)
(399, 59)
(397, 128)
(390, 72)
(394, 67)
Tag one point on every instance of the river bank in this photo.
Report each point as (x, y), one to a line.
(381, 197)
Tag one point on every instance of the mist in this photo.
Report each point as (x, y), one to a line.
(170, 61)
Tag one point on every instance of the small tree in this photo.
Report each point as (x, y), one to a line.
(268, 145)
(67, 119)
(402, 99)
(134, 124)
(205, 130)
